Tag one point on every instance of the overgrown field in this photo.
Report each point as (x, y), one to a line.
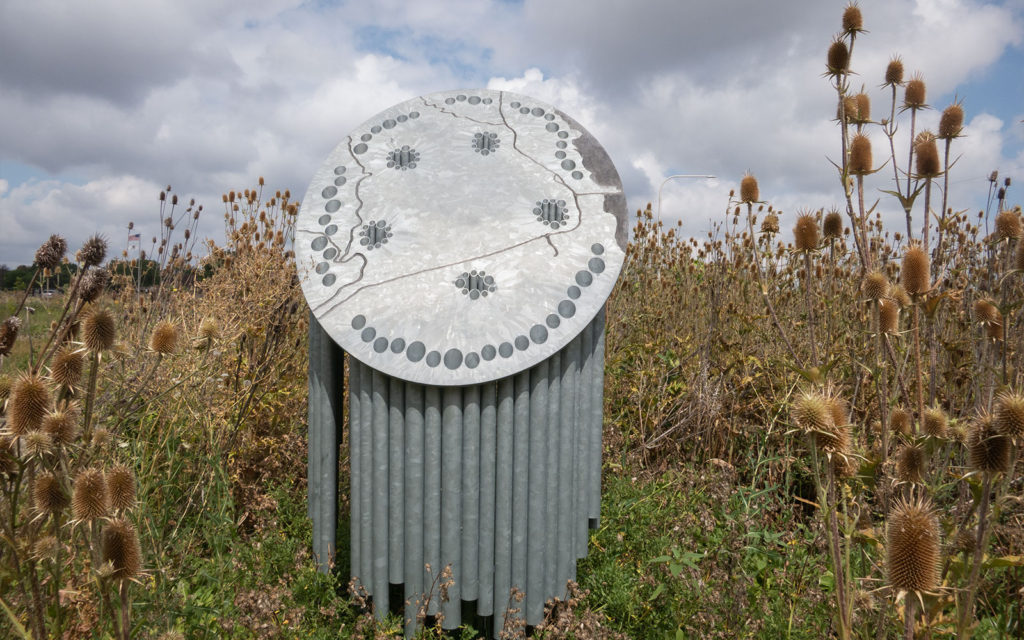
(806, 439)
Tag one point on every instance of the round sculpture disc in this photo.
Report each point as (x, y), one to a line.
(461, 236)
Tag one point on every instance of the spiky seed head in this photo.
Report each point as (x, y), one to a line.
(749, 191)
(860, 155)
(889, 316)
(913, 546)
(100, 438)
(811, 412)
(8, 334)
(934, 423)
(985, 311)
(853, 21)
(914, 270)
(875, 285)
(99, 331)
(1009, 414)
(927, 155)
(833, 224)
(37, 443)
(1008, 226)
(48, 496)
(45, 548)
(994, 329)
(914, 93)
(49, 255)
(894, 72)
(910, 464)
(966, 540)
(988, 450)
(93, 251)
(94, 283)
(838, 58)
(805, 232)
(121, 487)
(62, 424)
(121, 549)
(208, 329)
(27, 406)
(164, 339)
(900, 421)
(770, 224)
(89, 499)
(67, 366)
(899, 295)
(847, 109)
(839, 410)
(863, 108)
(952, 121)
(959, 433)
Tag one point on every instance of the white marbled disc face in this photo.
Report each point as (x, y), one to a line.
(461, 237)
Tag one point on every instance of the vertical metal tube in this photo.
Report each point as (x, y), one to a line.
(315, 424)
(488, 475)
(555, 481)
(520, 479)
(596, 421)
(355, 470)
(566, 450)
(432, 494)
(471, 481)
(366, 469)
(451, 501)
(583, 448)
(396, 475)
(537, 493)
(503, 499)
(414, 451)
(380, 494)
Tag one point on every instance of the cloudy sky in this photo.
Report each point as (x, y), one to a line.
(103, 103)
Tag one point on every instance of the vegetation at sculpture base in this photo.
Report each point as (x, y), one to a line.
(802, 440)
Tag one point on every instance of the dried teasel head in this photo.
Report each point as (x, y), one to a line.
(899, 295)
(62, 424)
(927, 155)
(93, 251)
(875, 285)
(37, 443)
(121, 549)
(837, 61)
(89, 499)
(1009, 415)
(988, 450)
(770, 224)
(833, 224)
(966, 541)
(99, 331)
(914, 271)
(860, 155)
(121, 487)
(914, 93)
(913, 546)
(934, 423)
(208, 329)
(1008, 226)
(67, 366)
(749, 191)
(8, 334)
(994, 329)
(900, 421)
(894, 72)
(94, 283)
(805, 233)
(50, 254)
(48, 496)
(164, 339)
(853, 21)
(28, 404)
(985, 311)
(847, 109)
(863, 108)
(952, 121)
(910, 464)
(839, 410)
(889, 316)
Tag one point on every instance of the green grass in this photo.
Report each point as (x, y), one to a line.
(35, 318)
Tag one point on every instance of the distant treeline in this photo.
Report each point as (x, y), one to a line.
(58, 279)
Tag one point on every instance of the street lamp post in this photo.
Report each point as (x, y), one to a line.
(673, 177)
